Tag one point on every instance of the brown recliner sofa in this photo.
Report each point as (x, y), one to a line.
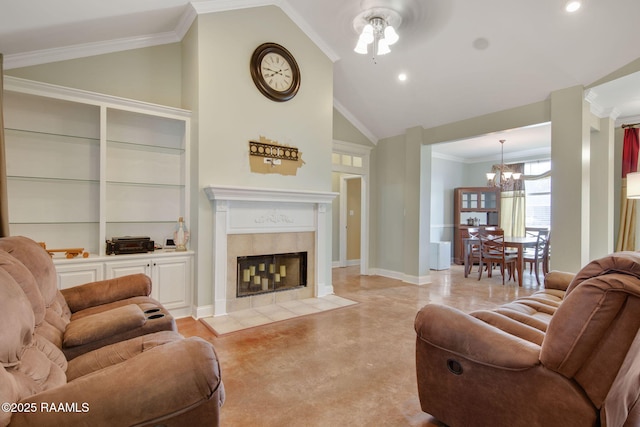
(568, 355)
(93, 315)
(155, 378)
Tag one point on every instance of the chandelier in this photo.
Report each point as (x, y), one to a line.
(506, 177)
(376, 27)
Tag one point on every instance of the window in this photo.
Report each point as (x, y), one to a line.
(347, 160)
(538, 194)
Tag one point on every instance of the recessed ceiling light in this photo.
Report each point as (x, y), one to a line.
(572, 6)
(402, 77)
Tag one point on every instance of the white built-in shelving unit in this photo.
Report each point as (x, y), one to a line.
(84, 167)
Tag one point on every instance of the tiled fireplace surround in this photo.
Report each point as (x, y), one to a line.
(257, 221)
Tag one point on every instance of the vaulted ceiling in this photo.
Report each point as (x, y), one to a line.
(463, 58)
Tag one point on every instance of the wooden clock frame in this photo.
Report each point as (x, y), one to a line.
(256, 74)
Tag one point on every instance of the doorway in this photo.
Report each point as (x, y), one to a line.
(350, 220)
(351, 215)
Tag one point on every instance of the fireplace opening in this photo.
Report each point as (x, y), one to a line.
(261, 274)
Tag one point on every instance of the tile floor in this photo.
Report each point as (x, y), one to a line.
(349, 367)
(257, 316)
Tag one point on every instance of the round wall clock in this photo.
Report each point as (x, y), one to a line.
(275, 72)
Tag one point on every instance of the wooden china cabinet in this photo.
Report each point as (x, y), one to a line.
(473, 205)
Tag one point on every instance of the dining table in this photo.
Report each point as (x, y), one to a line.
(518, 242)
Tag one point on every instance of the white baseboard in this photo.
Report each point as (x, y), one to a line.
(415, 280)
(350, 263)
(178, 313)
(203, 311)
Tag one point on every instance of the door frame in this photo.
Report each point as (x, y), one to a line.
(340, 149)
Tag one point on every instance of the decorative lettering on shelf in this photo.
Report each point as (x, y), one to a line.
(274, 217)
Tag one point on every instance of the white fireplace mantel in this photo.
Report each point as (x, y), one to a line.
(220, 192)
(239, 210)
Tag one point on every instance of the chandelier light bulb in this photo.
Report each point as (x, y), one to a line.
(506, 177)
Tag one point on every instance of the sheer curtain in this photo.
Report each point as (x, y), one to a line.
(512, 204)
(627, 232)
(4, 200)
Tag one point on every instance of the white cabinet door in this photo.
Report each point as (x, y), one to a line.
(78, 274)
(126, 267)
(121, 268)
(172, 278)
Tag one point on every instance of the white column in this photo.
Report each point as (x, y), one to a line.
(220, 257)
(323, 255)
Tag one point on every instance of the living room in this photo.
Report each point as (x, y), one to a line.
(227, 111)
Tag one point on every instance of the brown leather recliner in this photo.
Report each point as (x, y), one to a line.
(152, 379)
(93, 315)
(568, 355)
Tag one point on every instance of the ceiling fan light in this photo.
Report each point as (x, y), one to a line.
(490, 176)
(507, 175)
(367, 34)
(361, 47)
(516, 175)
(390, 35)
(383, 47)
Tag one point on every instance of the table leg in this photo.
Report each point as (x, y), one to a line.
(520, 266)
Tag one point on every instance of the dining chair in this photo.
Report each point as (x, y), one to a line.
(534, 231)
(538, 255)
(473, 250)
(492, 251)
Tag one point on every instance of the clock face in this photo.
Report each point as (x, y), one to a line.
(275, 72)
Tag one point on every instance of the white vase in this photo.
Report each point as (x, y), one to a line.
(181, 236)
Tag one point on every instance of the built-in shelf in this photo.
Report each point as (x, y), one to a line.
(85, 167)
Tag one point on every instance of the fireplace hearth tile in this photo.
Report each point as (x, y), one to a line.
(300, 308)
(258, 316)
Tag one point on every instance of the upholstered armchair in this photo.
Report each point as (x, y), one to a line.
(157, 378)
(90, 316)
(568, 355)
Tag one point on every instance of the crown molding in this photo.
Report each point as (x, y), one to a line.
(44, 56)
(213, 6)
(351, 148)
(186, 20)
(192, 10)
(355, 122)
(449, 157)
(626, 120)
(598, 110)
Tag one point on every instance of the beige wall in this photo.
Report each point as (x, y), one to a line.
(230, 111)
(584, 222)
(151, 74)
(343, 130)
(208, 73)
